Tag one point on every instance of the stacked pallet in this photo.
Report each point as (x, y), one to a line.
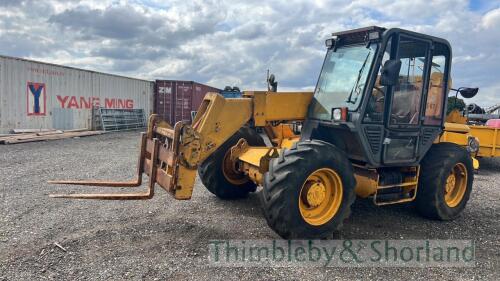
(26, 135)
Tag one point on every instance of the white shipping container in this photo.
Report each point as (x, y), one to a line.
(36, 95)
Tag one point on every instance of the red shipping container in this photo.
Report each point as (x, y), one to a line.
(176, 100)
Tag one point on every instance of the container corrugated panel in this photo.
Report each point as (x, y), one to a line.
(163, 99)
(36, 95)
(200, 90)
(175, 100)
(183, 101)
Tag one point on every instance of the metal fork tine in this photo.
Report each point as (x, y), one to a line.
(133, 183)
(119, 196)
(106, 196)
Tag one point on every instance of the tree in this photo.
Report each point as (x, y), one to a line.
(455, 103)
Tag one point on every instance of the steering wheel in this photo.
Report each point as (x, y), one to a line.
(379, 90)
(379, 99)
(376, 102)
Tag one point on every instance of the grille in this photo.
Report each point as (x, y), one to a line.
(374, 136)
(427, 137)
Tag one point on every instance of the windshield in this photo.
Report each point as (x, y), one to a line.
(342, 79)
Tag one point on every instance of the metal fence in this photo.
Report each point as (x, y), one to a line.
(108, 119)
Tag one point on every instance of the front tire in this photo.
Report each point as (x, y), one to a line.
(217, 174)
(445, 183)
(308, 191)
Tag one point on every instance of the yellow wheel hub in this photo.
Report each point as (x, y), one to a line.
(456, 185)
(230, 171)
(316, 194)
(320, 196)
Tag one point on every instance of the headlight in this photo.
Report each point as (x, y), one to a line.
(473, 144)
(337, 114)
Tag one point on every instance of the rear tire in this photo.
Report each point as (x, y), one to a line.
(211, 170)
(286, 210)
(445, 184)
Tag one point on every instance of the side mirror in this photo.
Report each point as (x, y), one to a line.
(390, 73)
(468, 92)
(272, 85)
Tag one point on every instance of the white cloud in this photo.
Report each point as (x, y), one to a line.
(491, 19)
(234, 42)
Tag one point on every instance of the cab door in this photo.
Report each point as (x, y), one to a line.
(403, 119)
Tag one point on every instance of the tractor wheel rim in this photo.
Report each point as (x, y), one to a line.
(320, 196)
(230, 172)
(456, 185)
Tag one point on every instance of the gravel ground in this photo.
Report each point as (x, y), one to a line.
(164, 238)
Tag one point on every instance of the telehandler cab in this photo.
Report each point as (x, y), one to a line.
(373, 127)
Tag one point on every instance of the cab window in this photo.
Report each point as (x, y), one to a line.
(407, 95)
(436, 95)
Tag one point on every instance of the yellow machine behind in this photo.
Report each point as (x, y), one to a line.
(488, 138)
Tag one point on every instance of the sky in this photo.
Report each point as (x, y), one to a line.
(232, 42)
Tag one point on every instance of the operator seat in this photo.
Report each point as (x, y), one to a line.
(434, 106)
(406, 101)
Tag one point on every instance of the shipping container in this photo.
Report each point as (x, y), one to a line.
(177, 100)
(37, 95)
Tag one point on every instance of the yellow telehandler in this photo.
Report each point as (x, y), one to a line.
(373, 127)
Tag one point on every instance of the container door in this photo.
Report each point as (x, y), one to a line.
(183, 101)
(164, 100)
(159, 99)
(197, 99)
